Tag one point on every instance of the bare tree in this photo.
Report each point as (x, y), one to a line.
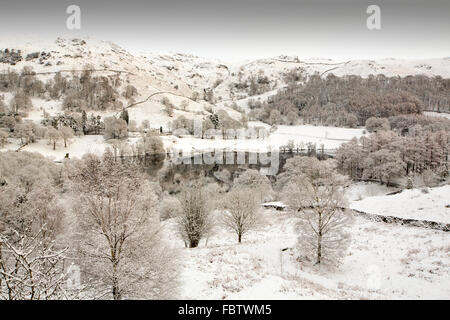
(53, 136)
(240, 214)
(31, 268)
(66, 134)
(195, 221)
(316, 195)
(31, 261)
(20, 101)
(252, 179)
(121, 250)
(115, 128)
(374, 124)
(168, 106)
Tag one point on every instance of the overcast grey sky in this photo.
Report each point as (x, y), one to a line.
(246, 28)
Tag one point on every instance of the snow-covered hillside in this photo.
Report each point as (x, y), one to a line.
(188, 80)
(187, 75)
(385, 261)
(431, 204)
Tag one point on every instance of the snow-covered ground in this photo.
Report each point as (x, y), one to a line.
(384, 261)
(437, 114)
(433, 205)
(76, 149)
(360, 190)
(330, 137)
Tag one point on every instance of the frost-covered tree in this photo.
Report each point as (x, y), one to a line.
(53, 136)
(275, 117)
(257, 182)
(316, 195)
(182, 125)
(374, 124)
(168, 106)
(125, 116)
(31, 269)
(120, 248)
(9, 122)
(66, 134)
(31, 259)
(129, 92)
(115, 128)
(119, 147)
(224, 176)
(429, 178)
(3, 108)
(28, 131)
(195, 221)
(240, 211)
(383, 165)
(169, 207)
(20, 101)
(151, 146)
(350, 157)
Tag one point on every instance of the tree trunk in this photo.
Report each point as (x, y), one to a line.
(115, 284)
(239, 237)
(54, 145)
(319, 240)
(193, 243)
(319, 247)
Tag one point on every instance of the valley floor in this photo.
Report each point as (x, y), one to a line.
(384, 261)
(330, 137)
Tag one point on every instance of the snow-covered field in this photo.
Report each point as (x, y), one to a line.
(361, 190)
(330, 137)
(384, 261)
(432, 205)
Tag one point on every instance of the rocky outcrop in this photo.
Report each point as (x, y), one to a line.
(10, 56)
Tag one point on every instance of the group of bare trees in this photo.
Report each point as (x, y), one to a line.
(79, 91)
(96, 213)
(55, 135)
(238, 212)
(121, 230)
(115, 128)
(102, 214)
(32, 260)
(203, 208)
(217, 124)
(252, 84)
(313, 190)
